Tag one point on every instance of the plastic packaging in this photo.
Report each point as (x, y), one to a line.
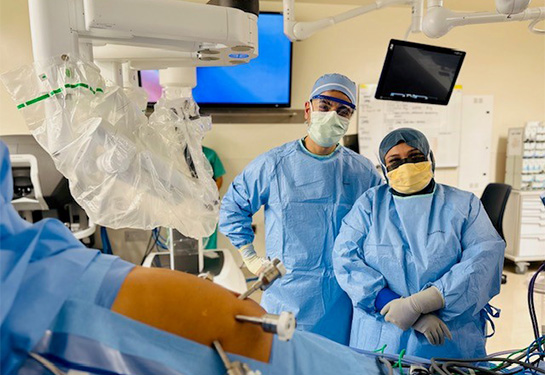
(125, 171)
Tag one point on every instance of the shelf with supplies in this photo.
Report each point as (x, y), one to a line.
(525, 164)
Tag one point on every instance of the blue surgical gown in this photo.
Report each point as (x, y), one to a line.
(40, 265)
(443, 239)
(305, 198)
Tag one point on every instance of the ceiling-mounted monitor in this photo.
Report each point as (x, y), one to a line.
(419, 73)
(264, 82)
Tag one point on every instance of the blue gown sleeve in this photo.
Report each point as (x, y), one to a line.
(475, 279)
(384, 297)
(245, 196)
(361, 282)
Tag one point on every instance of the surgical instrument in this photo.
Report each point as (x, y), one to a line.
(283, 325)
(272, 270)
(233, 368)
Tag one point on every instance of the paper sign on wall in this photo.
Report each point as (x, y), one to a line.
(440, 124)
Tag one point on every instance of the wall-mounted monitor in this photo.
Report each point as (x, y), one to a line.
(419, 73)
(264, 82)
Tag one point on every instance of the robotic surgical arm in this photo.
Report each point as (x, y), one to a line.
(124, 169)
(179, 33)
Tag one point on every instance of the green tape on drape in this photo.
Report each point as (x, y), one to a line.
(58, 91)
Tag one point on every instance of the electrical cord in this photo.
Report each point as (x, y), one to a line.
(452, 366)
(398, 363)
(456, 370)
(522, 358)
(158, 241)
(531, 306)
(445, 366)
(149, 248)
(536, 350)
(522, 353)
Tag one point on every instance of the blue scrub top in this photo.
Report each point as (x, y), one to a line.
(305, 197)
(40, 264)
(443, 239)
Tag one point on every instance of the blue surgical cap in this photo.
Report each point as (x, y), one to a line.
(337, 82)
(412, 137)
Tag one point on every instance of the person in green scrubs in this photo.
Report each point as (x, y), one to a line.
(218, 169)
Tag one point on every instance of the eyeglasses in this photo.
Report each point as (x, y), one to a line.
(324, 103)
(396, 163)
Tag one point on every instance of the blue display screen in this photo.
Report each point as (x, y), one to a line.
(265, 80)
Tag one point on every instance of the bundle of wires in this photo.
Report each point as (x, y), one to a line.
(532, 308)
(510, 362)
(160, 241)
(525, 361)
(448, 366)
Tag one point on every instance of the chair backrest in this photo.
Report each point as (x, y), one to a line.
(494, 200)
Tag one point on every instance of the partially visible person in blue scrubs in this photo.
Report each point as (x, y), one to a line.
(420, 260)
(39, 265)
(42, 264)
(218, 171)
(306, 187)
(84, 310)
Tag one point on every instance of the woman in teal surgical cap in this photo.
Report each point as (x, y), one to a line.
(420, 260)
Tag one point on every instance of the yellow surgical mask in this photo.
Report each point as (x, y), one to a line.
(410, 178)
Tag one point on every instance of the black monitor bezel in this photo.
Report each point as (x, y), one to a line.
(380, 93)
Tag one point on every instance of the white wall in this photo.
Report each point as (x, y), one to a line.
(503, 60)
(15, 50)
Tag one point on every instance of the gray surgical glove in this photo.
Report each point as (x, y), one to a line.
(404, 312)
(433, 328)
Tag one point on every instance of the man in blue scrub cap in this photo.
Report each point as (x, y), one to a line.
(420, 260)
(306, 187)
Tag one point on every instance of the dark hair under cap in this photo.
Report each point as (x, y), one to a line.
(412, 137)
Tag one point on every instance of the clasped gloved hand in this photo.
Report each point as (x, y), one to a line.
(433, 328)
(253, 262)
(404, 312)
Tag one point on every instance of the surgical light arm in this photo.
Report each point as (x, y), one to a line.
(438, 20)
(297, 31)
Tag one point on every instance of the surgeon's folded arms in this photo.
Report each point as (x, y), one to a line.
(193, 308)
(404, 312)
